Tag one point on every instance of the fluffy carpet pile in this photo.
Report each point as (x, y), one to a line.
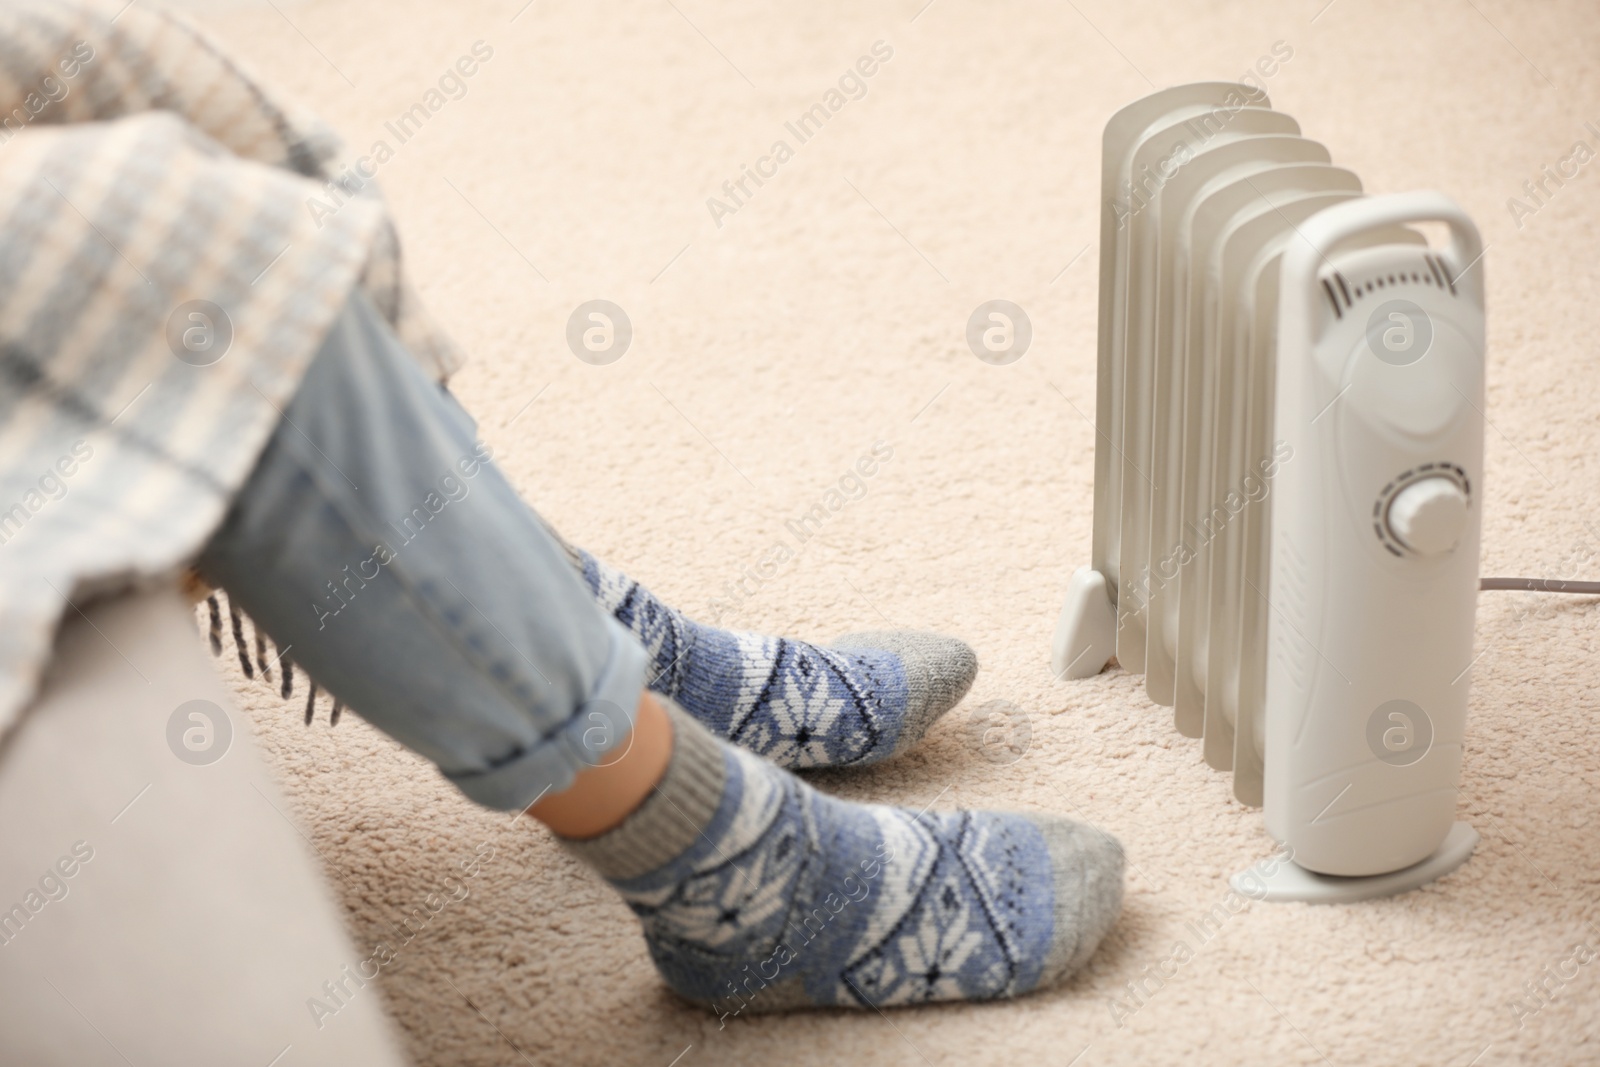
(784, 327)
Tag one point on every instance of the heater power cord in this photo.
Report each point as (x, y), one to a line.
(1540, 585)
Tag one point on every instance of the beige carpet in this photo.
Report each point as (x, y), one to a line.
(827, 313)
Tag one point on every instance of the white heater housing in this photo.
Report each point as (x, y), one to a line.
(1288, 481)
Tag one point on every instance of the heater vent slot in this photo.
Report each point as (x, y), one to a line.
(1337, 312)
(1442, 272)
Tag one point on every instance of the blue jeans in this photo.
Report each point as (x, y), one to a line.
(378, 542)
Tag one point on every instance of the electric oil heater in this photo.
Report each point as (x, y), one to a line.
(1288, 481)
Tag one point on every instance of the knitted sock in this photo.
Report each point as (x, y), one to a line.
(863, 699)
(758, 893)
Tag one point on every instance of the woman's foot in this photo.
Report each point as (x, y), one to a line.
(758, 893)
(860, 700)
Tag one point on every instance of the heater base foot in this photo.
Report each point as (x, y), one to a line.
(1086, 633)
(1291, 882)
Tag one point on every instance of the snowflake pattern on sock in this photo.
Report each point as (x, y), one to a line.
(967, 938)
(797, 704)
(792, 897)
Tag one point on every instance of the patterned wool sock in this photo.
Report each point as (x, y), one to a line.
(865, 698)
(758, 893)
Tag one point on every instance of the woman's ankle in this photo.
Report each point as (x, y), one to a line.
(602, 796)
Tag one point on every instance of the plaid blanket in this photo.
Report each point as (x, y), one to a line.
(163, 286)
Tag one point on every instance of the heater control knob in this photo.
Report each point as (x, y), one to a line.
(1428, 516)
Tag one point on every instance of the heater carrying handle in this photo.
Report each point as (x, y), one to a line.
(1325, 230)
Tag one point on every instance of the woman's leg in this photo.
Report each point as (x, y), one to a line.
(381, 547)
(442, 611)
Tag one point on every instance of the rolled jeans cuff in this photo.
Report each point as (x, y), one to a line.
(602, 723)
